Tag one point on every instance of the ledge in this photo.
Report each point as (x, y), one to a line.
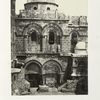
(78, 26)
(41, 3)
(23, 54)
(39, 19)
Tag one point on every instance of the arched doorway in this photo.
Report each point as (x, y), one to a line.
(33, 73)
(51, 73)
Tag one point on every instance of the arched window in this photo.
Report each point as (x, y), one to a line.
(34, 36)
(48, 8)
(73, 41)
(51, 37)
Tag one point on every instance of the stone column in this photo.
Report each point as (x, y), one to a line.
(61, 77)
(74, 67)
(26, 43)
(43, 77)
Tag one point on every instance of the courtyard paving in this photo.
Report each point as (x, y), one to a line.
(52, 91)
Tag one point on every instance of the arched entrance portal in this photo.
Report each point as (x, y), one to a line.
(51, 73)
(33, 73)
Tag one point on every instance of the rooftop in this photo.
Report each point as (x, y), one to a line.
(50, 1)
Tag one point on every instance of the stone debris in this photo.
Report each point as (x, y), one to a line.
(21, 87)
(53, 90)
(69, 86)
(43, 88)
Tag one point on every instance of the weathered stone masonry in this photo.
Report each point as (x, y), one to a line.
(43, 40)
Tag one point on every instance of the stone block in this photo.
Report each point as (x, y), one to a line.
(43, 88)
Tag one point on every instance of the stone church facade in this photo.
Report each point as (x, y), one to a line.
(43, 38)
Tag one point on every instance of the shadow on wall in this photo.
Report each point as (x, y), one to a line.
(68, 71)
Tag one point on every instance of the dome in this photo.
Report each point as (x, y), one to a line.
(50, 1)
(81, 48)
(81, 45)
(42, 2)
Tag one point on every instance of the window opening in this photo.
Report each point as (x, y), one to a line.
(51, 37)
(73, 42)
(34, 36)
(48, 8)
(35, 8)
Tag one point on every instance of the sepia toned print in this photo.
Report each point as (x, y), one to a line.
(48, 50)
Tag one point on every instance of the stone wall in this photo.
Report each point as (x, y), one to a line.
(42, 27)
(65, 44)
(44, 58)
(19, 45)
(39, 11)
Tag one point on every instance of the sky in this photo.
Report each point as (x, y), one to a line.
(68, 7)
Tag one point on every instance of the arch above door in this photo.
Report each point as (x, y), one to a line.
(33, 73)
(34, 66)
(51, 73)
(52, 66)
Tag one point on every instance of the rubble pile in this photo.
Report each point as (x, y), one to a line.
(69, 86)
(21, 87)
